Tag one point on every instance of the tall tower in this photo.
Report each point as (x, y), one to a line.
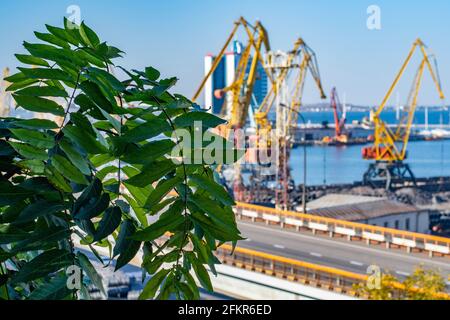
(225, 75)
(5, 97)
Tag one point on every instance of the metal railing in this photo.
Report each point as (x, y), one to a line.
(326, 278)
(306, 273)
(352, 230)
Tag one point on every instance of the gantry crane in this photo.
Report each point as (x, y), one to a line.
(289, 70)
(340, 134)
(390, 145)
(240, 92)
(5, 97)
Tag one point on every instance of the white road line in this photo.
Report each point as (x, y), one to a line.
(248, 240)
(348, 245)
(403, 273)
(315, 254)
(279, 246)
(357, 263)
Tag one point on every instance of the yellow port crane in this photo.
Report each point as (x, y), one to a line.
(290, 70)
(390, 145)
(241, 89)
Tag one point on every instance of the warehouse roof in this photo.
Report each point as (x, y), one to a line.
(357, 208)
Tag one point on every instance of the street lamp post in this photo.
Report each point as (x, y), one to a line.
(304, 155)
(304, 162)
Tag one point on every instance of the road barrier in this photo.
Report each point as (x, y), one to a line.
(412, 241)
(327, 278)
(306, 273)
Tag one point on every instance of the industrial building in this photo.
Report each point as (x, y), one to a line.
(224, 75)
(375, 211)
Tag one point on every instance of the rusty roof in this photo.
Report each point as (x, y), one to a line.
(358, 211)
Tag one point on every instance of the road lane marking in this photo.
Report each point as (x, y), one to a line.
(248, 240)
(403, 273)
(315, 254)
(357, 263)
(279, 246)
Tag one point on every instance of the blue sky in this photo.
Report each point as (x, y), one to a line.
(174, 35)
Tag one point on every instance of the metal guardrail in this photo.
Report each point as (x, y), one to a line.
(326, 278)
(352, 230)
(306, 273)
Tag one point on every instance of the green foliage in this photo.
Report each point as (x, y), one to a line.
(422, 284)
(93, 175)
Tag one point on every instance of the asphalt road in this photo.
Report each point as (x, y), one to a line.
(337, 253)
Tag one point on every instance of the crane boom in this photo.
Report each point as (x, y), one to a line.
(391, 145)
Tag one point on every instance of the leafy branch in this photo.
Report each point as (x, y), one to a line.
(62, 185)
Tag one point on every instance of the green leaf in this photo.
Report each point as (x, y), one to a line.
(138, 211)
(56, 179)
(207, 120)
(191, 283)
(138, 193)
(47, 74)
(168, 221)
(219, 215)
(213, 188)
(101, 174)
(86, 142)
(93, 208)
(29, 152)
(152, 173)
(201, 273)
(55, 289)
(152, 74)
(22, 84)
(38, 209)
(93, 91)
(42, 238)
(82, 122)
(217, 231)
(92, 274)
(42, 91)
(89, 36)
(153, 284)
(63, 34)
(75, 157)
(147, 130)
(37, 104)
(48, 52)
(44, 264)
(161, 190)
(108, 78)
(110, 221)
(51, 39)
(125, 247)
(10, 234)
(36, 124)
(35, 138)
(34, 61)
(149, 152)
(68, 170)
